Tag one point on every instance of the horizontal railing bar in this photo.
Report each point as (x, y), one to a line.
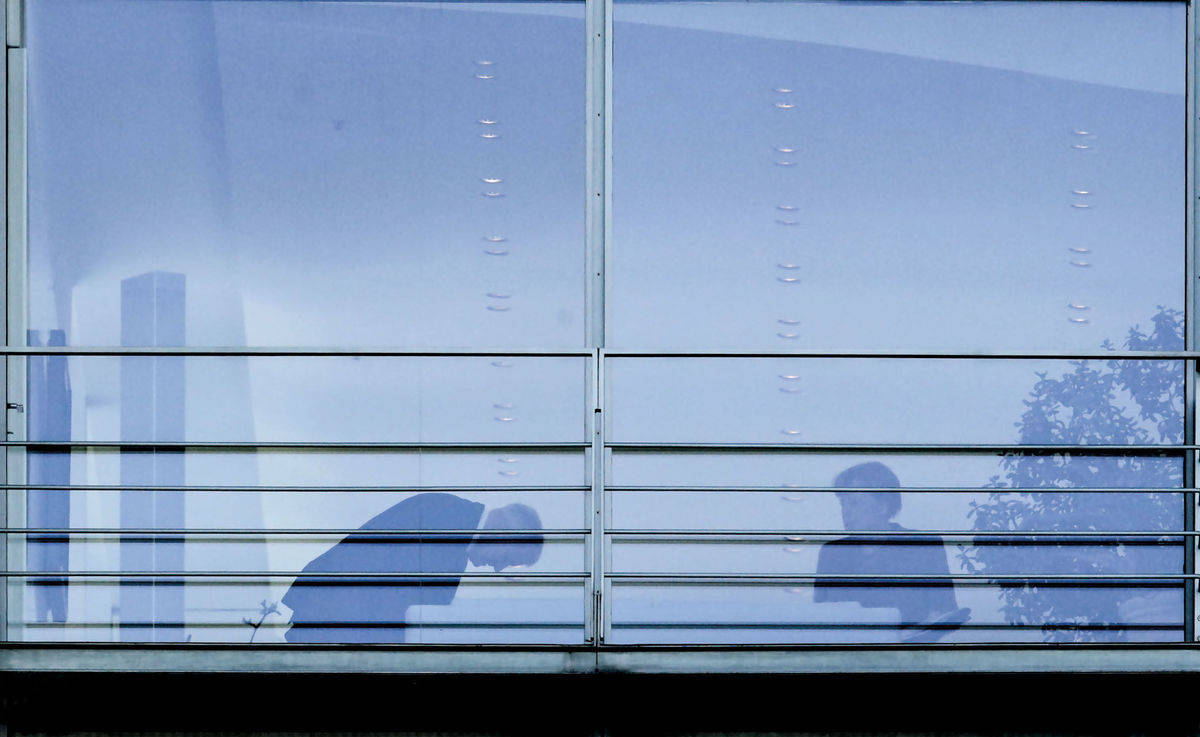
(886, 577)
(372, 575)
(868, 535)
(269, 625)
(981, 355)
(886, 625)
(387, 352)
(899, 490)
(304, 445)
(291, 489)
(703, 447)
(288, 531)
(298, 352)
(644, 577)
(786, 534)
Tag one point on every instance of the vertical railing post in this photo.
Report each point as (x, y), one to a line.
(597, 26)
(15, 301)
(4, 26)
(1190, 367)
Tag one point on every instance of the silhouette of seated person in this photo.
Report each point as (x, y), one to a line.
(928, 609)
(366, 610)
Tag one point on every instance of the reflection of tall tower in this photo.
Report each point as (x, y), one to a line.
(49, 408)
(152, 409)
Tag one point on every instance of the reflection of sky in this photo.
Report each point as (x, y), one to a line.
(921, 200)
(316, 170)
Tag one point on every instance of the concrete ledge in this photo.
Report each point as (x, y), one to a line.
(417, 660)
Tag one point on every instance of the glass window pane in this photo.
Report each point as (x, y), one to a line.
(307, 399)
(820, 516)
(895, 176)
(777, 614)
(306, 173)
(904, 401)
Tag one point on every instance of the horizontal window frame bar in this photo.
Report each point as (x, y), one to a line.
(291, 531)
(915, 355)
(234, 352)
(899, 489)
(432, 578)
(295, 489)
(875, 535)
(296, 445)
(769, 535)
(200, 351)
(1067, 626)
(753, 447)
(739, 578)
(323, 624)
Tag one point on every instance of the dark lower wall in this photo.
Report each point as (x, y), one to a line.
(569, 705)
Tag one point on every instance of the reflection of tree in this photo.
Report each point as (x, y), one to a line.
(1118, 403)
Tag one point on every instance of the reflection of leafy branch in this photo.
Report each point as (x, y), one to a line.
(265, 609)
(1134, 402)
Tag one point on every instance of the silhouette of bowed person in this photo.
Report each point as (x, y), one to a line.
(373, 610)
(929, 609)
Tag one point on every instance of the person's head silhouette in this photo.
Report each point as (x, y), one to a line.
(505, 551)
(868, 510)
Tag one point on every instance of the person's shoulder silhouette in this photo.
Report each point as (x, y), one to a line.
(348, 609)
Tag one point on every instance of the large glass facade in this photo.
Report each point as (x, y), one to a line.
(840, 323)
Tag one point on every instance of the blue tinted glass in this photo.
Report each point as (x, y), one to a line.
(307, 173)
(900, 401)
(895, 176)
(495, 399)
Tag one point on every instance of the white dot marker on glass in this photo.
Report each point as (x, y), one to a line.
(487, 121)
(1081, 192)
(785, 163)
(485, 62)
(489, 135)
(787, 208)
(496, 251)
(790, 389)
(1078, 306)
(492, 180)
(485, 76)
(1080, 146)
(493, 195)
(788, 336)
(784, 105)
(787, 266)
(1081, 206)
(494, 238)
(508, 473)
(1079, 249)
(505, 418)
(785, 321)
(790, 432)
(507, 459)
(790, 377)
(499, 308)
(1082, 264)
(1078, 320)
(788, 279)
(502, 405)
(499, 295)
(785, 149)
